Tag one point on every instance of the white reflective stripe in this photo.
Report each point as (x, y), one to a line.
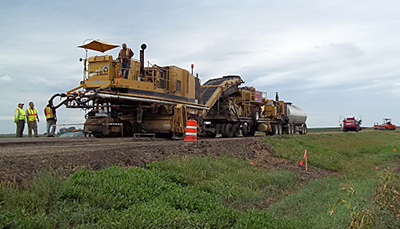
(191, 127)
(191, 133)
(112, 124)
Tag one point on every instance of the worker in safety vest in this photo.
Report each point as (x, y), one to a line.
(51, 119)
(19, 119)
(125, 55)
(32, 119)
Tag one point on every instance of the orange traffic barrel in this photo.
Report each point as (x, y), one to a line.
(191, 131)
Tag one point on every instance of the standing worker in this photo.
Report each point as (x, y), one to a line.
(32, 119)
(19, 119)
(51, 119)
(125, 54)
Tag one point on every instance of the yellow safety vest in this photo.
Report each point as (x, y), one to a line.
(49, 112)
(32, 114)
(127, 52)
(21, 115)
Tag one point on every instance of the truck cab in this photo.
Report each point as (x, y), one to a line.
(351, 124)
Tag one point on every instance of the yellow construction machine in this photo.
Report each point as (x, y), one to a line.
(153, 99)
(160, 99)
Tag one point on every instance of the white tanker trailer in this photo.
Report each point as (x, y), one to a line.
(296, 118)
(295, 114)
(284, 117)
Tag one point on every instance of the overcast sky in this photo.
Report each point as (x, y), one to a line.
(332, 58)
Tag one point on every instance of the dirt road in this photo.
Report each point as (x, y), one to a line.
(20, 158)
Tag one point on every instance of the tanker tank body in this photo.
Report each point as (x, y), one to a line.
(149, 99)
(296, 119)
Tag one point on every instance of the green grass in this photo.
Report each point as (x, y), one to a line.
(324, 129)
(207, 192)
(7, 135)
(236, 182)
(13, 136)
(145, 198)
(355, 154)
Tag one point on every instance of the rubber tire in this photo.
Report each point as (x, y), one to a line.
(252, 131)
(222, 130)
(279, 129)
(236, 130)
(275, 130)
(255, 116)
(229, 130)
(245, 131)
(304, 130)
(286, 129)
(128, 129)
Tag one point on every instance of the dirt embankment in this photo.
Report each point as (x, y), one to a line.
(21, 158)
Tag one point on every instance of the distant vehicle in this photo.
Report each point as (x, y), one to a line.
(72, 134)
(386, 125)
(376, 126)
(351, 124)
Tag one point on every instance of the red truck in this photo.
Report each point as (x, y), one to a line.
(351, 124)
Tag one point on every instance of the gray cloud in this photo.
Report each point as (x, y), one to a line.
(332, 58)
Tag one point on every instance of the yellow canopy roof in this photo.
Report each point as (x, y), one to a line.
(98, 45)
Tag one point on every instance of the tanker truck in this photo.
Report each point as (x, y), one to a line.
(284, 117)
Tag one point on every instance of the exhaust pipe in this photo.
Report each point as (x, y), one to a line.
(143, 47)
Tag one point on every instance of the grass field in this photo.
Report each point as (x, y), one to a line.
(7, 135)
(331, 129)
(207, 192)
(324, 129)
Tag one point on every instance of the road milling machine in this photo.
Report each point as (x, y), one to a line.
(160, 99)
(244, 110)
